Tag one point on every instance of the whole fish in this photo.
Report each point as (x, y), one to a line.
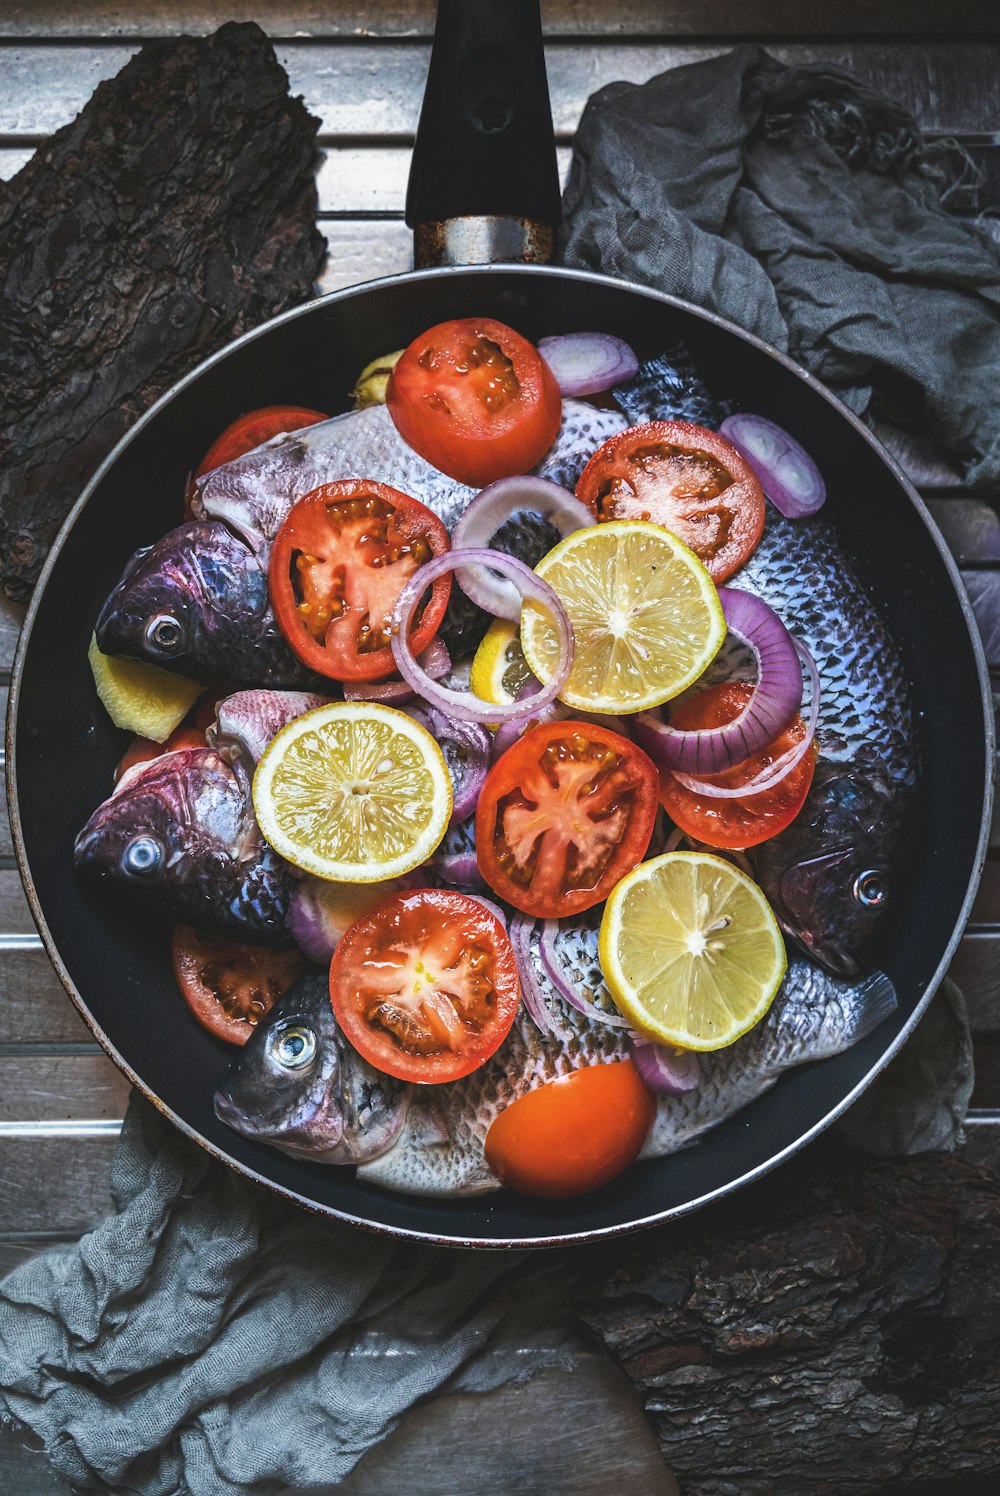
(829, 877)
(182, 827)
(197, 601)
(438, 1133)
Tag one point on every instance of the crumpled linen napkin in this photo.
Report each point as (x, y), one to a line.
(807, 208)
(210, 1339)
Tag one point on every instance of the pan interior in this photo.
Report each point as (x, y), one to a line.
(116, 954)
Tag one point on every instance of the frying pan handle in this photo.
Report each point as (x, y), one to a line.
(484, 184)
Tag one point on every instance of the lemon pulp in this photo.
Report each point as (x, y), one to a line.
(646, 617)
(690, 950)
(354, 792)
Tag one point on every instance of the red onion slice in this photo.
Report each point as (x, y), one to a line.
(565, 989)
(519, 932)
(666, 1072)
(462, 704)
(776, 772)
(484, 516)
(435, 660)
(587, 363)
(466, 749)
(776, 699)
(787, 473)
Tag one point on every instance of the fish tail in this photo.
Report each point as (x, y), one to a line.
(874, 1001)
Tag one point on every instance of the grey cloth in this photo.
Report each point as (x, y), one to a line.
(208, 1338)
(808, 209)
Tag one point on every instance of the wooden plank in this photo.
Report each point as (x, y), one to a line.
(53, 1181)
(591, 18)
(986, 910)
(976, 969)
(61, 1088)
(11, 616)
(34, 1007)
(15, 916)
(971, 527)
(986, 1091)
(983, 588)
(982, 1141)
(374, 89)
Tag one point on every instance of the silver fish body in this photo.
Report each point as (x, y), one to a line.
(181, 830)
(829, 876)
(439, 1147)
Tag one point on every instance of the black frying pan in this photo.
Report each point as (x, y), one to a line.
(62, 748)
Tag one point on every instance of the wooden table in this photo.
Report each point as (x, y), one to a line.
(361, 69)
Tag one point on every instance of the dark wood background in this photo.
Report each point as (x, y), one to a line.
(361, 69)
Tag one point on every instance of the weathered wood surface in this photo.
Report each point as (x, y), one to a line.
(334, 19)
(158, 245)
(835, 1329)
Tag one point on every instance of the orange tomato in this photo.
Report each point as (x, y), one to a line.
(572, 1134)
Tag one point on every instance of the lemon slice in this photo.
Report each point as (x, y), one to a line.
(141, 698)
(690, 950)
(646, 617)
(499, 668)
(354, 792)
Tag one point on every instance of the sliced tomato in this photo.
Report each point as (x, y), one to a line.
(736, 823)
(425, 985)
(565, 813)
(144, 750)
(229, 987)
(572, 1134)
(476, 399)
(340, 561)
(248, 431)
(686, 478)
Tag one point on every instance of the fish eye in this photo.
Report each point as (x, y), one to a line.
(143, 856)
(871, 889)
(163, 632)
(292, 1046)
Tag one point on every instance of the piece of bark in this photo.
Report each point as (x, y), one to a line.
(835, 1328)
(176, 211)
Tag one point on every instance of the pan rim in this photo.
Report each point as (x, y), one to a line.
(567, 1238)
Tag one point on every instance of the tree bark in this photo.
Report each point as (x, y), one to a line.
(177, 211)
(835, 1328)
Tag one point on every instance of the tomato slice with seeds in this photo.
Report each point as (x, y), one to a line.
(686, 478)
(339, 562)
(230, 987)
(572, 1134)
(425, 985)
(736, 823)
(565, 813)
(475, 399)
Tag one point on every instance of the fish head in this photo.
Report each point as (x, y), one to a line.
(829, 875)
(183, 813)
(300, 1086)
(185, 603)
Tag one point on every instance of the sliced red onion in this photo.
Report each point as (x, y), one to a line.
(462, 704)
(787, 473)
(319, 911)
(494, 909)
(519, 931)
(466, 749)
(587, 363)
(783, 766)
(435, 660)
(565, 989)
(666, 1072)
(488, 511)
(776, 698)
(460, 868)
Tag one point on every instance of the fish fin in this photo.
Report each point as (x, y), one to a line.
(428, 1125)
(876, 1001)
